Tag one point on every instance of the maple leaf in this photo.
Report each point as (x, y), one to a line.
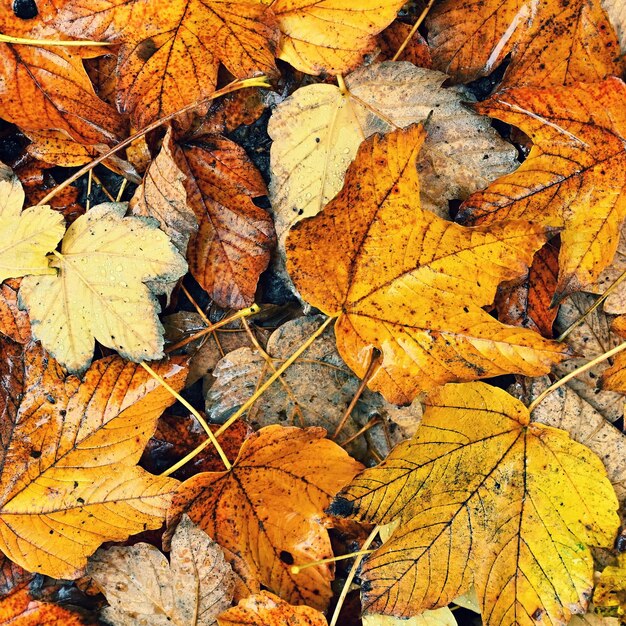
(69, 449)
(53, 82)
(577, 161)
(170, 55)
(235, 237)
(266, 512)
(28, 235)
(266, 609)
(411, 284)
(141, 586)
(99, 291)
(318, 129)
(551, 43)
(483, 495)
(330, 36)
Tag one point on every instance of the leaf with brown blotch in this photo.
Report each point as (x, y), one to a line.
(48, 88)
(484, 496)
(528, 303)
(573, 177)
(142, 587)
(162, 196)
(108, 273)
(556, 42)
(170, 54)
(68, 458)
(22, 609)
(411, 284)
(330, 36)
(266, 609)
(235, 237)
(14, 322)
(267, 511)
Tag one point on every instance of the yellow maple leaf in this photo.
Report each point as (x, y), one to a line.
(100, 291)
(411, 284)
(482, 495)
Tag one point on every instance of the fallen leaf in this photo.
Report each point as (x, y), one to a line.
(53, 82)
(577, 161)
(528, 303)
(14, 323)
(21, 609)
(27, 236)
(484, 496)
(330, 36)
(609, 596)
(69, 449)
(315, 391)
(317, 132)
(162, 196)
(99, 291)
(235, 237)
(170, 55)
(266, 609)
(550, 43)
(416, 51)
(267, 511)
(404, 281)
(143, 588)
(438, 617)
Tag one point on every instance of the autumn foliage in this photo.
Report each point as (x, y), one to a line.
(312, 312)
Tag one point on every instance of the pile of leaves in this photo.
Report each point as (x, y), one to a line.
(257, 256)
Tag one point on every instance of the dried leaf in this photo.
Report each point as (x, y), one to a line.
(235, 237)
(144, 589)
(411, 284)
(330, 36)
(267, 512)
(170, 54)
(69, 449)
(317, 132)
(266, 609)
(551, 43)
(484, 496)
(577, 160)
(100, 291)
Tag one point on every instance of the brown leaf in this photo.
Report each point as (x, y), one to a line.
(235, 237)
(267, 511)
(266, 609)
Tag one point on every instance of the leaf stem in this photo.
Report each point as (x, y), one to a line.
(344, 592)
(193, 411)
(259, 81)
(579, 370)
(50, 42)
(417, 24)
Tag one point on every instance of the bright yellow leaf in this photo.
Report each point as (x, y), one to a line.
(404, 281)
(100, 290)
(484, 496)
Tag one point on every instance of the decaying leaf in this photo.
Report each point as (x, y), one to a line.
(317, 132)
(162, 196)
(330, 36)
(315, 391)
(143, 588)
(99, 291)
(609, 596)
(170, 54)
(48, 88)
(438, 617)
(485, 496)
(235, 237)
(577, 161)
(554, 42)
(267, 511)
(411, 284)
(68, 457)
(266, 609)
